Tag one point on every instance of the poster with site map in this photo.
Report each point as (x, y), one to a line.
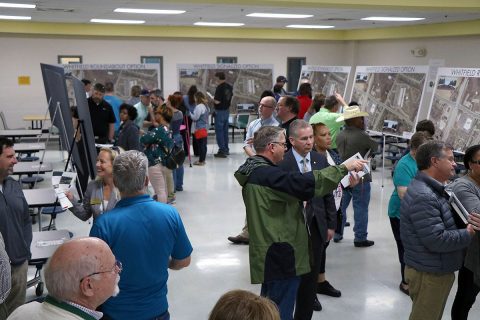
(123, 76)
(455, 107)
(326, 79)
(392, 95)
(248, 81)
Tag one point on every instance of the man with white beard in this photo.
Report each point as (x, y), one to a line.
(80, 276)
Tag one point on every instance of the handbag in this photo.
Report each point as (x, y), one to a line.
(200, 133)
(175, 157)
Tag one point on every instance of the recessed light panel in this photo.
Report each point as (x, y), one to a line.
(279, 15)
(17, 5)
(111, 21)
(309, 26)
(15, 18)
(218, 24)
(392, 19)
(148, 11)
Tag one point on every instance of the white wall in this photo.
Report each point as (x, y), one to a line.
(22, 56)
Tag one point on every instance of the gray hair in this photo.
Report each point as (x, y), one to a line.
(130, 171)
(62, 279)
(266, 135)
(296, 125)
(429, 150)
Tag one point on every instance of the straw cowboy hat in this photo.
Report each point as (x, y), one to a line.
(351, 112)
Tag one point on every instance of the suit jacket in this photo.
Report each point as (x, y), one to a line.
(322, 208)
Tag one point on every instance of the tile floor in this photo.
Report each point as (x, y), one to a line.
(212, 209)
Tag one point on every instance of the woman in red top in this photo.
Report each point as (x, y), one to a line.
(305, 98)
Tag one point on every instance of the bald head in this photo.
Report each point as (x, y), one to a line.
(82, 271)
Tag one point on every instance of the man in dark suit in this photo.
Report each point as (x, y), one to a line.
(320, 212)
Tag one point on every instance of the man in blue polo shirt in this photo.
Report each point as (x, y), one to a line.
(147, 236)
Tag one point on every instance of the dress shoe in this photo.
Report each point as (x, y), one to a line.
(347, 224)
(317, 306)
(238, 239)
(220, 155)
(327, 289)
(363, 244)
(403, 289)
(337, 239)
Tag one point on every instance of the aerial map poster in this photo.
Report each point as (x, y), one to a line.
(123, 76)
(248, 80)
(455, 107)
(326, 79)
(392, 95)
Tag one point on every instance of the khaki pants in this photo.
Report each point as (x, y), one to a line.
(18, 292)
(429, 293)
(155, 174)
(170, 188)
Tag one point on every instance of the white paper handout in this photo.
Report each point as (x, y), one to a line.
(366, 169)
(61, 182)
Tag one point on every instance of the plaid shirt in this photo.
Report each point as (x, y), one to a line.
(5, 281)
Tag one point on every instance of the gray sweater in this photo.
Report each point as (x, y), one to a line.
(15, 222)
(468, 192)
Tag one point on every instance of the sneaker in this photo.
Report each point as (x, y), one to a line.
(179, 189)
(363, 244)
(220, 155)
(198, 163)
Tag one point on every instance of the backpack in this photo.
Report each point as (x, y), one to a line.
(175, 157)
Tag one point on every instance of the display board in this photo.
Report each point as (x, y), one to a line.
(326, 79)
(455, 107)
(123, 76)
(392, 95)
(56, 92)
(248, 80)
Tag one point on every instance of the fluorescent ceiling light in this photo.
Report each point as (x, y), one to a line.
(219, 24)
(391, 19)
(117, 21)
(309, 26)
(148, 11)
(279, 15)
(15, 18)
(17, 5)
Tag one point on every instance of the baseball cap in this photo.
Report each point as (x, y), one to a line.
(281, 79)
(145, 93)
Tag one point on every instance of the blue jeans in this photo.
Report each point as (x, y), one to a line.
(221, 130)
(361, 198)
(283, 293)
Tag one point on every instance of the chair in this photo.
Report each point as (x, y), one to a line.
(241, 122)
(31, 180)
(52, 211)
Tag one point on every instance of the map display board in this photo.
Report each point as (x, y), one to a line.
(326, 79)
(455, 107)
(123, 76)
(248, 81)
(392, 95)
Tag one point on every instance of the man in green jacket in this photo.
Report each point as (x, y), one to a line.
(273, 199)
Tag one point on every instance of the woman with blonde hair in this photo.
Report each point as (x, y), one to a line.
(244, 305)
(101, 194)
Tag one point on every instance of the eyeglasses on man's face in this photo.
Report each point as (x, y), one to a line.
(117, 268)
(284, 144)
(265, 106)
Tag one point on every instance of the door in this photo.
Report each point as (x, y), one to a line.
(294, 68)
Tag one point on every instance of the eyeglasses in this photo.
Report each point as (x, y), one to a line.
(284, 144)
(117, 268)
(265, 106)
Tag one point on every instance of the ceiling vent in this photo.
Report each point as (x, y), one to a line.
(64, 10)
(338, 19)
